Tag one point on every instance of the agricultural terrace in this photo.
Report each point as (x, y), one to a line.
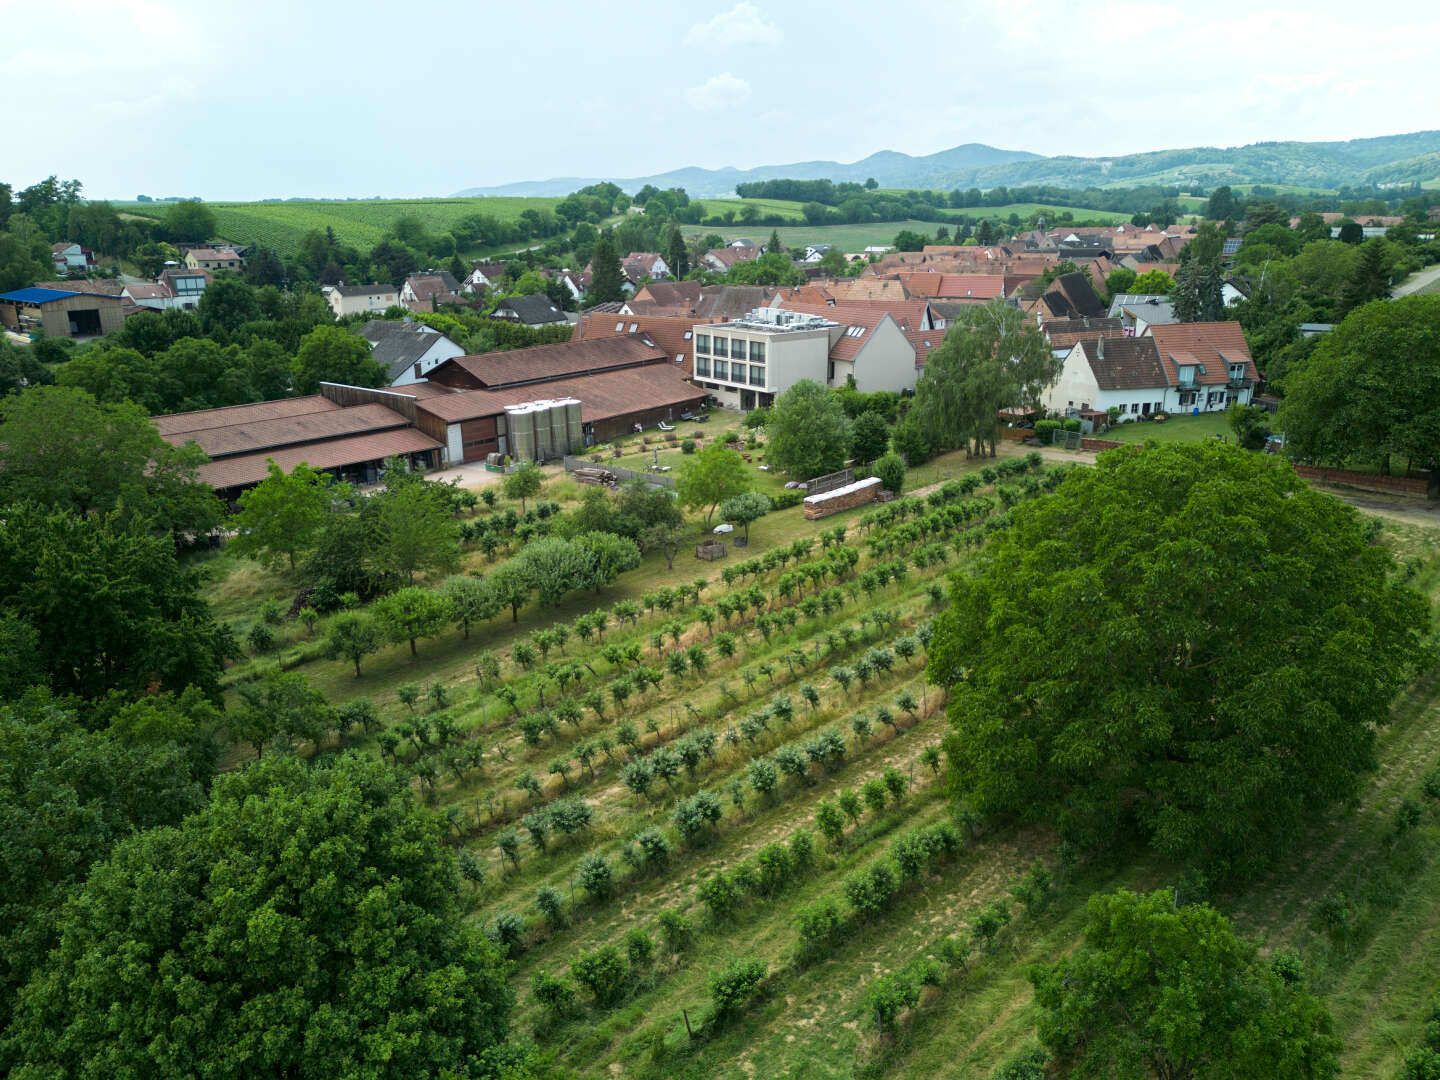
(703, 808)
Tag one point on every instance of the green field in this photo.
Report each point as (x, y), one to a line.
(1177, 428)
(784, 207)
(853, 238)
(364, 224)
(810, 1022)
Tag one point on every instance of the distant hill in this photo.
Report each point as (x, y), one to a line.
(888, 167)
(1387, 159)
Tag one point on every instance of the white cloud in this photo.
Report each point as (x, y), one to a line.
(744, 24)
(723, 91)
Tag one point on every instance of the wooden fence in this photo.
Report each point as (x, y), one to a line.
(623, 475)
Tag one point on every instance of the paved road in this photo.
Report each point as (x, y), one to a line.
(1416, 282)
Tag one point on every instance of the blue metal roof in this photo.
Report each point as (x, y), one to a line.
(37, 296)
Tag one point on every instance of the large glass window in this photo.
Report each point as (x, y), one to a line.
(702, 366)
(722, 369)
(757, 352)
(757, 376)
(702, 342)
(722, 346)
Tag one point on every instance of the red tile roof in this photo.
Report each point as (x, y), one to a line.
(954, 286)
(601, 396)
(925, 342)
(540, 362)
(1126, 363)
(209, 419)
(1213, 346)
(671, 333)
(331, 454)
(269, 435)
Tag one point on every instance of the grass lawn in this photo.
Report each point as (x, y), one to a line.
(1175, 429)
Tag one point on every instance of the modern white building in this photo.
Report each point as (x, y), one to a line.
(746, 362)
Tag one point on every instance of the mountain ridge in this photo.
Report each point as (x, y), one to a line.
(1384, 159)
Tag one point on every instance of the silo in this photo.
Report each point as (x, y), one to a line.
(544, 443)
(558, 437)
(522, 432)
(574, 429)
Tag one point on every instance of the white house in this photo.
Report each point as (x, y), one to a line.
(360, 299)
(69, 256)
(408, 350)
(1115, 372)
(1179, 367)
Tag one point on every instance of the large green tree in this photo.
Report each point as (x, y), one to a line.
(412, 531)
(1185, 643)
(808, 431)
(411, 614)
(992, 357)
(306, 923)
(62, 449)
(1196, 296)
(1370, 390)
(606, 282)
(709, 478)
(111, 607)
(333, 354)
(1169, 993)
(67, 795)
(189, 221)
(282, 516)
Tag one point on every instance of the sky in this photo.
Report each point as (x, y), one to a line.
(263, 99)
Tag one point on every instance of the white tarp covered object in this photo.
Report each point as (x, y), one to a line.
(841, 492)
(725, 528)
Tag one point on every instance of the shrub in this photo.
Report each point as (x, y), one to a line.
(677, 930)
(871, 890)
(888, 995)
(638, 948)
(1027, 1064)
(272, 611)
(688, 446)
(734, 984)
(595, 875)
(1431, 784)
(819, 923)
(773, 868)
(891, 471)
(1045, 430)
(551, 905)
(802, 849)
(783, 500)
(654, 848)
(557, 995)
(720, 895)
(261, 638)
(1073, 425)
(697, 815)
(602, 972)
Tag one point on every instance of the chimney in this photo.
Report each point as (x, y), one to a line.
(1100, 346)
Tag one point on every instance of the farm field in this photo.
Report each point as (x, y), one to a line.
(281, 225)
(849, 238)
(766, 206)
(1024, 210)
(854, 238)
(781, 650)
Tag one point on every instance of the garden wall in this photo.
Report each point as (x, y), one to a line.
(1408, 485)
(832, 502)
(1100, 444)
